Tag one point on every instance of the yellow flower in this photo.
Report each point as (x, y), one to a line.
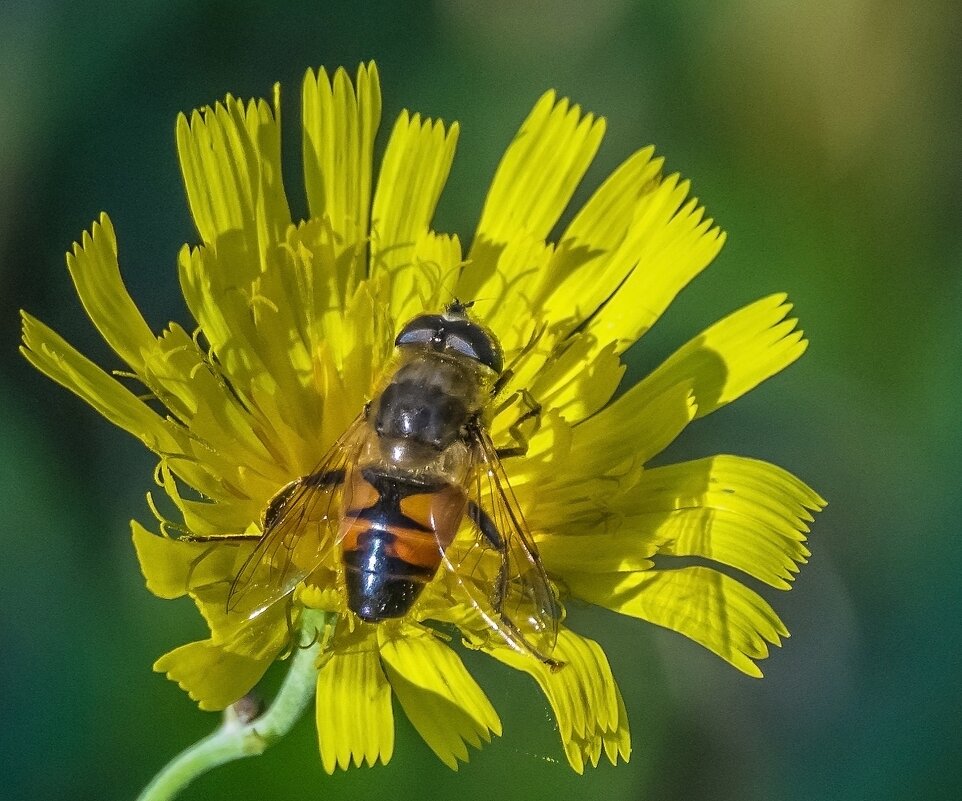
(295, 321)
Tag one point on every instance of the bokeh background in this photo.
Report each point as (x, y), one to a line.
(822, 135)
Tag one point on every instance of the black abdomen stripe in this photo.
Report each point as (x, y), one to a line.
(374, 553)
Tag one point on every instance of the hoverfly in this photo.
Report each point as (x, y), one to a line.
(392, 492)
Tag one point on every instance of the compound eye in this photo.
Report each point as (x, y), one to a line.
(453, 336)
(462, 345)
(474, 342)
(421, 330)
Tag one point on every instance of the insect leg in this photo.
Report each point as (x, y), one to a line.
(533, 413)
(275, 506)
(489, 530)
(485, 525)
(508, 373)
(290, 490)
(502, 382)
(329, 478)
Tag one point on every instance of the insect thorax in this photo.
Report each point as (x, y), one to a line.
(425, 406)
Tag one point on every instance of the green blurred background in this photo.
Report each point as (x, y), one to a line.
(821, 135)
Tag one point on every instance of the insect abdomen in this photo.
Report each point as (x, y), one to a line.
(397, 529)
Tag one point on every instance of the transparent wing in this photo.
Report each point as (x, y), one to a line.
(300, 531)
(500, 570)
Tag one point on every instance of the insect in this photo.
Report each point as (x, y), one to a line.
(392, 492)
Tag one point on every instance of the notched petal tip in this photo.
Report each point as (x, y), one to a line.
(584, 697)
(438, 694)
(539, 172)
(354, 715)
(213, 677)
(699, 602)
(734, 355)
(173, 567)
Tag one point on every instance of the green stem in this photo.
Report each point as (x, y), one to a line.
(236, 739)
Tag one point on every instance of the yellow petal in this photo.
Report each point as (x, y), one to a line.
(428, 286)
(175, 567)
(549, 448)
(233, 516)
(415, 167)
(442, 701)
(220, 301)
(498, 276)
(188, 384)
(597, 552)
(254, 340)
(595, 474)
(206, 571)
(740, 512)
(594, 236)
(171, 367)
(357, 344)
(731, 539)
(539, 172)
(264, 637)
(96, 274)
(667, 245)
(211, 676)
(703, 604)
(584, 696)
(234, 286)
(355, 722)
(340, 124)
(590, 263)
(263, 122)
(579, 381)
(52, 356)
(230, 160)
(654, 426)
(732, 356)
(749, 487)
(284, 335)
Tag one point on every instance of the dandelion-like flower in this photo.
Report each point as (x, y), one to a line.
(296, 321)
